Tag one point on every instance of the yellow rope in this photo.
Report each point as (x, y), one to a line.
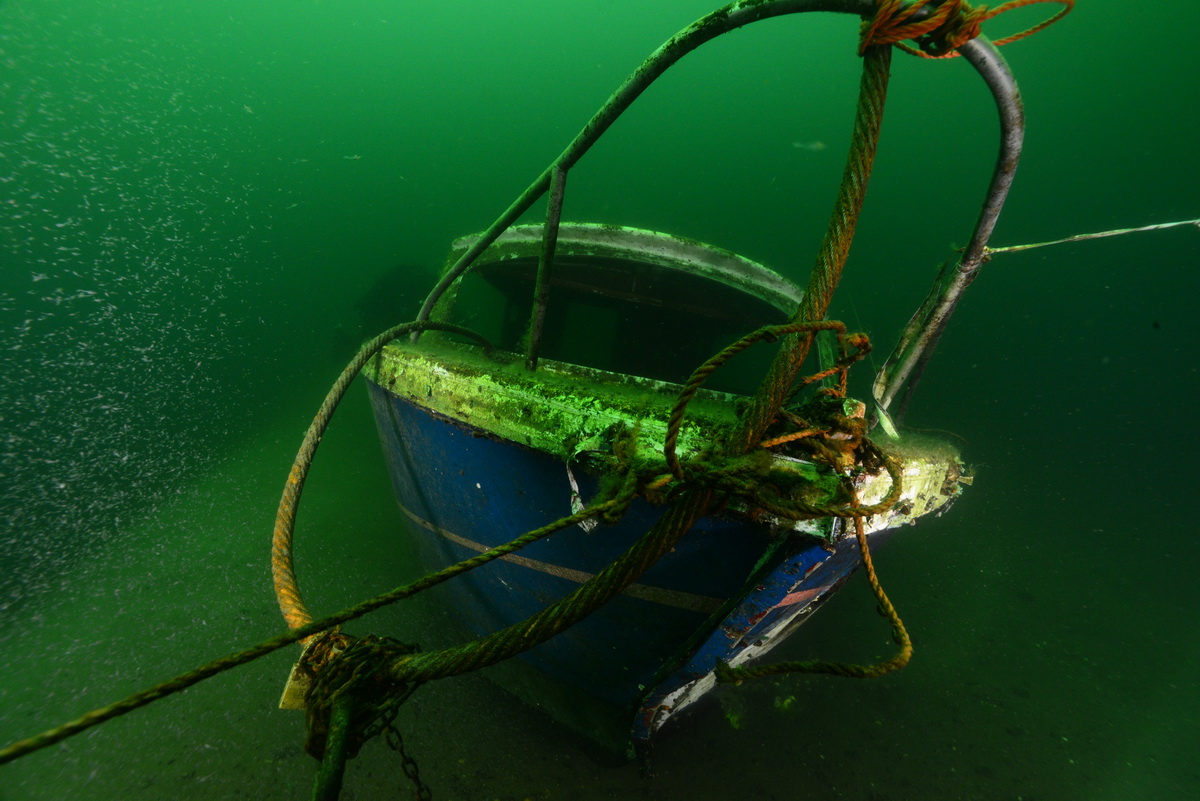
(727, 673)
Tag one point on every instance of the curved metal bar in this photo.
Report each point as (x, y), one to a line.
(903, 368)
(921, 335)
(723, 20)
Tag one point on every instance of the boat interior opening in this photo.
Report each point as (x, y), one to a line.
(624, 311)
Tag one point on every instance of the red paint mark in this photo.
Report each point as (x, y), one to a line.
(802, 597)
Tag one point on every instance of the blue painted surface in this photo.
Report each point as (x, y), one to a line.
(629, 654)
(492, 492)
(799, 582)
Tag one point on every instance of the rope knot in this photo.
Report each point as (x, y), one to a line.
(948, 25)
(340, 664)
(963, 24)
(894, 22)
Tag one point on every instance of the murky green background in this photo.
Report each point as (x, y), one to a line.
(202, 205)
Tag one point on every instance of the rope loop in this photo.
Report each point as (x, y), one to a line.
(729, 674)
(948, 25)
(828, 430)
(770, 333)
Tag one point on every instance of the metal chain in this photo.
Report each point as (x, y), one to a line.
(395, 741)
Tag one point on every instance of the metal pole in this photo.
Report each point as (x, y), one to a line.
(903, 368)
(541, 292)
(328, 784)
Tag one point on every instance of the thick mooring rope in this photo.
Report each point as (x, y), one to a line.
(303, 632)
(831, 257)
(568, 611)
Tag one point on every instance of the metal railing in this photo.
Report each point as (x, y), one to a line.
(903, 368)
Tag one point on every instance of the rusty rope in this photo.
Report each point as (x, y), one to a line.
(771, 333)
(287, 591)
(948, 25)
(831, 257)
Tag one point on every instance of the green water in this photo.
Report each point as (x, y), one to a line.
(203, 203)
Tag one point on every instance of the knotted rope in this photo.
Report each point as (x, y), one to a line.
(949, 25)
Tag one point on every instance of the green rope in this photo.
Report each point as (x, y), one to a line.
(597, 591)
(192, 677)
(287, 591)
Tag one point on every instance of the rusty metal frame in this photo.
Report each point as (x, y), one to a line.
(903, 368)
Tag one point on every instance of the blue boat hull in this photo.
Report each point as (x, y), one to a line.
(730, 585)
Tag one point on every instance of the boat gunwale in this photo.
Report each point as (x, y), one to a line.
(571, 412)
(637, 245)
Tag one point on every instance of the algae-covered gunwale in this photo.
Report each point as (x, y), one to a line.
(575, 414)
(561, 409)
